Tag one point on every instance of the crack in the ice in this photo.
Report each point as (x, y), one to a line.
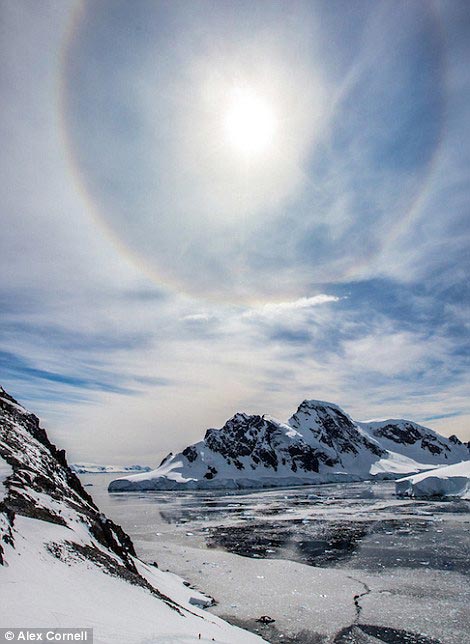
(359, 596)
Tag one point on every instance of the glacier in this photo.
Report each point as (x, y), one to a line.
(450, 481)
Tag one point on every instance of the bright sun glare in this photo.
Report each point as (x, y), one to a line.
(250, 123)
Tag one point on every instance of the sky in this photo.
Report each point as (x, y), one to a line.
(212, 207)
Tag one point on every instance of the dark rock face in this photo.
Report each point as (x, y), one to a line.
(305, 457)
(407, 433)
(261, 439)
(332, 427)
(40, 468)
(433, 446)
(166, 458)
(245, 435)
(190, 453)
(238, 437)
(211, 472)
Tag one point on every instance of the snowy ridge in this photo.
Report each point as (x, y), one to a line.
(416, 441)
(450, 481)
(63, 563)
(320, 443)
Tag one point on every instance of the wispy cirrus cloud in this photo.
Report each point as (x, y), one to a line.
(357, 261)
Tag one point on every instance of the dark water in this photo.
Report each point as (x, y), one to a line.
(361, 525)
(400, 558)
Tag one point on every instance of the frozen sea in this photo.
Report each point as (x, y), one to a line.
(343, 563)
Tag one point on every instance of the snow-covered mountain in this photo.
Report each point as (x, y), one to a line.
(93, 468)
(319, 443)
(415, 441)
(63, 563)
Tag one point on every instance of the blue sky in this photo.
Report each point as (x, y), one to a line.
(156, 278)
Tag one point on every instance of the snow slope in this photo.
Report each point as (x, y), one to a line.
(64, 564)
(452, 481)
(93, 468)
(320, 443)
(416, 441)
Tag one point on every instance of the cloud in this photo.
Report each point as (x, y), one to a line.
(281, 308)
(390, 353)
(339, 292)
(197, 317)
(321, 204)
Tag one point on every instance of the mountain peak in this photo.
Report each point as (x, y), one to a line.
(319, 443)
(312, 402)
(319, 409)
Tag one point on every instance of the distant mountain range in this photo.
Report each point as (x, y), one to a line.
(320, 443)
(93, 468)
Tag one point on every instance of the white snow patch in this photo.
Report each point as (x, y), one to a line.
(395, 463)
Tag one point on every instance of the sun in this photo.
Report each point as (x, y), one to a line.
(250, 122)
